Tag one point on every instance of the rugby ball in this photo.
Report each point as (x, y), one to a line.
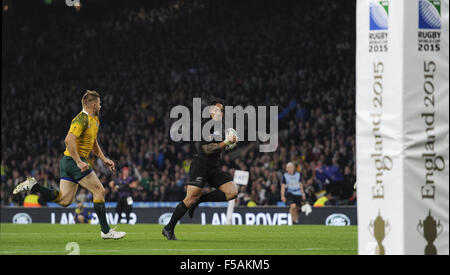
(228, 133)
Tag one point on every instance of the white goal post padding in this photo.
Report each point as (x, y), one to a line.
(402, 126)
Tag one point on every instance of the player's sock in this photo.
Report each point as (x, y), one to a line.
(179, 212)
(47, 194)
(99, 207)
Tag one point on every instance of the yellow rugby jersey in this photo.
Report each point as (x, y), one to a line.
(85, 128)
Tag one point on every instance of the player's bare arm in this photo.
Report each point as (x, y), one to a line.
(212, 148)
(283, 190)
(71, 144)
(99, 153)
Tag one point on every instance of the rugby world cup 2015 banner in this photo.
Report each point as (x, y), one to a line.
(402, 127)
(333, 216)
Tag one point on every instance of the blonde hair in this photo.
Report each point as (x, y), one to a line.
(88, 97)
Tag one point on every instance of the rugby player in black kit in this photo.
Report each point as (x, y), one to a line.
(205, 168)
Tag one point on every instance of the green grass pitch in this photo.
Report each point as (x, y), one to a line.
(53, 239)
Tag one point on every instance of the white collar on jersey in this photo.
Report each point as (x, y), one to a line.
(84, 111)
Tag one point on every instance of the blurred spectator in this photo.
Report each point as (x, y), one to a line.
(124, 186)
(323, 200)
(347, 184)
(82, 195)
(31, 200)
(82, 215)
(273, 196)
(252, 201)
(4, 171)
(243, 197)
(145, 183)
(334, 178)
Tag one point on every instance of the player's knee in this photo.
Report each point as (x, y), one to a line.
(99, 192)
(189, 202)
(231, 191)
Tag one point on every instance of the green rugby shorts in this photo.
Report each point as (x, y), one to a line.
(68, 169)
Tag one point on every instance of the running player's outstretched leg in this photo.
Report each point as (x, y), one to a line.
(93, 184)
(294, 210)
(193, 193)
(64, 197)
(31, 184)
(227, 191)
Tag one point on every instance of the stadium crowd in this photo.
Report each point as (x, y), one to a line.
(144, 60)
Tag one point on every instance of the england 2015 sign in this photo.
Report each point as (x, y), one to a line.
(402, 126)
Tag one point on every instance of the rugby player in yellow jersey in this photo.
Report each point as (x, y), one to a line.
(74, 169)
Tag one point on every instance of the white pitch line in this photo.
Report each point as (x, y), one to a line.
(177, 249)
(148, 233)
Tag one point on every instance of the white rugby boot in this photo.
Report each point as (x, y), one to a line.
(113, 234)
(25, 186)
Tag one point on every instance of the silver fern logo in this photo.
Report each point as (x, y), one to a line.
(430, 14)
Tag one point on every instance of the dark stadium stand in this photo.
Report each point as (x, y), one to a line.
(150, 56)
